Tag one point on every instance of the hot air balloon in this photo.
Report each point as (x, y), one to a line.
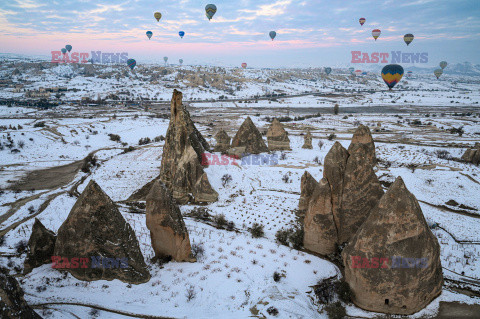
(244, 65)
(210, 10)
(165, 58)
(68, 47)
(408, 38)
(364, 73)
(328, 70)
(443, 64)
(64, 51)
(273, 34)
(157, 16)
(392, 74)
(149, 34)
(131, 63)
(181, 34)
(362, 21)
(438, 73)
(351, 70)
(181, 61)
(358, 72)
(376, 33)
(409, 74)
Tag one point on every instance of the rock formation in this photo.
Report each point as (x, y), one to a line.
(277, 137)
(319, 227)
(223, 142)
(362, 141)
(248, 140)
(96, 230)
(41, 245)
(307, 144)
(181, 170)
(307, 187)
(12, 303)
(168, 232)
(472, 155)
(411, 277)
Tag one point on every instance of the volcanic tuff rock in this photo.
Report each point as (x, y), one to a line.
(181, 170)
(41, 245)
(307, 187)
(307, 144)
(472, 155)
(396, 229)
(248, 139)
(320, 232)
(362, 141)
(95, 228)
(12, 303)
(223, 142)
(277, 137)
(168, 232)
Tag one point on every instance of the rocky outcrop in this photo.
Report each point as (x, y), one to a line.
(277, 137)
(248, 140)
(168, 232)
(392, 264)
(307, 141)
(96, 230)
(12, 303)
(223, 142)
(40, 247)
(472, 155)
(362, 142)
(307, 187)
(181, 170)
(320, 232)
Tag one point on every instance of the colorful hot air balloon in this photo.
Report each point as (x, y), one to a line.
(149, 34)
(358, 72)
(409, 74)
(362, 21)
(210, 10)
(244, 65)
(181, 34)
(157, 16)
(351, 70)
(165, 58)
(328, 70)
(376, 33)
(408, 38)
(273, 34)
(68, 47)
(131, 63)
(443, 64)
(64, 51)
(392, 74)
(181, 61)
(438, 73)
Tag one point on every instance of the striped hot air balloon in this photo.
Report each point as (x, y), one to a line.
(408, 38)
(376, 33)
(157, 16)
(131, 63)
(244, 65)
(409, 74)
(358, 72)
(443, 64)
(210, 10)
(438, 73)
(362, 21)
(392, 74)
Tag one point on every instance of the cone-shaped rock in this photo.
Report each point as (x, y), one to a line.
(181, 168)
(361, 192)
(472, 155)
(223, 142)
(12, 303)
(307, 141)
(320, 232)
(41, 245)
(277, 137)
(307, 187)
(248, 139)
(96, 230)
(167, 229)
(335, 164)
(396, 229)
(362, 141)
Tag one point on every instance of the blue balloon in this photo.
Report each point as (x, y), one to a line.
(63, 50)
(181, 34)
(149, 34)
(68, 47)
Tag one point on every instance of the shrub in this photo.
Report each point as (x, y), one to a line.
(344, 292)
(21, 144)
(220, 220)
(285, 178)
(257, 230)
(458, 131)
(89, 162)
(320, 144)
(2, 241)
(272, 311)
(159, 138)
(282, 236)
(331, 137)
(190, 294)
(198, 250)
(277, 276)
(39, 124)
(336, 109)
(325, 291)
(443, 154)
(336, 310)
(283, 156)
(200, 213)
(296, 238)
(114, 137)
(128, 149)
(21, 247)
(31, 209)
(317, 160)
(226, 179)
(144, 141)
(94, 313)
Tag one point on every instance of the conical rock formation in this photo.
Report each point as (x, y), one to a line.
(362, 142)
(41, 246)
(409, 276)
(223, 142)
(307, 187)
(277, 137)
(248, 140)
(307, 141)
(181, 170)
(168, 232)
(472, 155)
(12, 303)
(96, 230)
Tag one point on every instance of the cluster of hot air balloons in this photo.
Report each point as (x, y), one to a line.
(438, 72)
(408, 38)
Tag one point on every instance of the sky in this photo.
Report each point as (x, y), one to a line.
(310, 33)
